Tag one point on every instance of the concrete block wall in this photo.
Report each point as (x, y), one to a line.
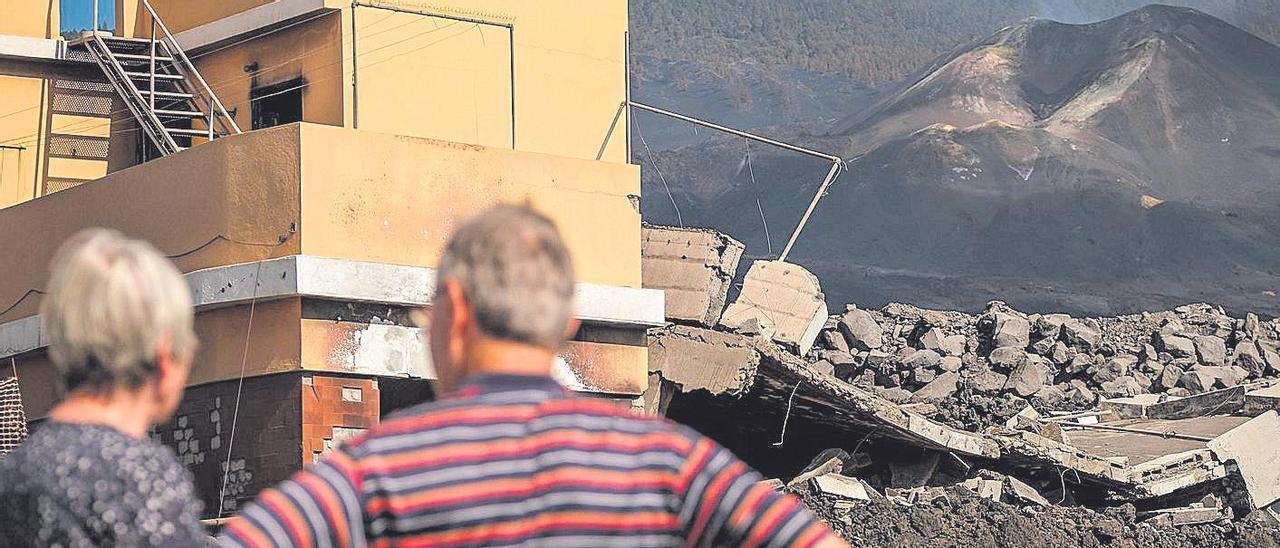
(335, 409)
(267, 444)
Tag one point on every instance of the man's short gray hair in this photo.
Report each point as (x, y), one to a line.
(516, 274)
(110, 302)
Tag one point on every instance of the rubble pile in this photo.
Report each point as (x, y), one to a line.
(975, 372)
(960, 516)
(935, 428)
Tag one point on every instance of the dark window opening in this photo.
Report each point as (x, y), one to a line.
(277, 104)
(397, 394)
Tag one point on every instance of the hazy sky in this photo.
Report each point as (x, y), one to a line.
(76, 14)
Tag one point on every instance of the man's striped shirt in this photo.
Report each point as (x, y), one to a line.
(512, 460)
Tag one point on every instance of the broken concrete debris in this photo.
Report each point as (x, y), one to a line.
(841, 486)
(694, 268)
(860, 330)
(1026, 493)
(784, 300)
(1139, 415)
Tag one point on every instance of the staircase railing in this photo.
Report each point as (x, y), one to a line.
(215, 115)
(129, 92)
(217, 112)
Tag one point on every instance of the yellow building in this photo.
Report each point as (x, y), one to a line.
(350, 139)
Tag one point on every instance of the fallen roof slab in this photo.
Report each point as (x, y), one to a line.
(758, 375)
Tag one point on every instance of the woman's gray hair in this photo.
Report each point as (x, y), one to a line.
(109, 304)
(516, 275)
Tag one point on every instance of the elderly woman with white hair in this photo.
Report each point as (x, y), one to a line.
(119, 323)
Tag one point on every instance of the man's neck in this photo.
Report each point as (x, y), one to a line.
(124, 410)
(494, 357)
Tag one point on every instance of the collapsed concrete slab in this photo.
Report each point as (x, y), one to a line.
(702, 359)
(693, 267)
(1256, 455)
(781, 383)
(1257, 402)
(768, 399)
(784, 299)
(1154, 406)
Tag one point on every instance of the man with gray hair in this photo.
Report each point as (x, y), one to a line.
(118, 319)
(509, 457)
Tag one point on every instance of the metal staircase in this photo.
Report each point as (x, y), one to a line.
(164, 92)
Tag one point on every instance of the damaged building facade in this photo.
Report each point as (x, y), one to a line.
(348, 140)
(308, 159)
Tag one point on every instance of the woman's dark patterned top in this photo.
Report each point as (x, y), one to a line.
(88, 485)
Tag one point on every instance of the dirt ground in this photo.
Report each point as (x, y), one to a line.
(964, 519)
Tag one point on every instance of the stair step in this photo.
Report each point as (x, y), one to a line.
(159, 76)
(180, 113)
(130, 40)
(185, 131)
(139, 43)
(167, 94)
(131, 57)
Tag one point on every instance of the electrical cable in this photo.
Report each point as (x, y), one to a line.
(24, 296)
(783, 437)
(284, 238)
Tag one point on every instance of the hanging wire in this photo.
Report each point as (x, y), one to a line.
(235, 414)
(755, 187)
(654, 163)
(787, 417)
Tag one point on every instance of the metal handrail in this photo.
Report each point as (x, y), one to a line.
(177, 52)
(105, 52)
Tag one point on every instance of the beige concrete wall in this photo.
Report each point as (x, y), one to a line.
(432, 77)
(352, 194)
(243, 189)
(461, 85)
(25, 102)
(395, 199)
(180, 15)
(30, 18)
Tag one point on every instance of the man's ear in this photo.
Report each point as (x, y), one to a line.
(571, 327)
(459, 310)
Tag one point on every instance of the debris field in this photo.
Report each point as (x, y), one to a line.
(903, 426)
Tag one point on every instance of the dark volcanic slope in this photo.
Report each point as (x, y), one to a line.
(1105, 168)
(1191, 97)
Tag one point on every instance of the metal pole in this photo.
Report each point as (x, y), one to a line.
(831, 175)
(740, 133)
(153, 64)
(1173, 435)
(212, 113)
(355, 68)
(626, 54)
(511, 54)
(95, 16)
